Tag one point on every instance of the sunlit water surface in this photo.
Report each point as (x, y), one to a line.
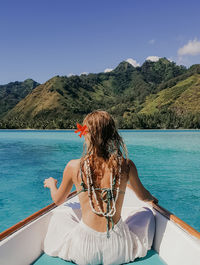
(168, 163)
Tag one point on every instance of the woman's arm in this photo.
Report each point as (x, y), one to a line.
(136, 185)
(60, 194)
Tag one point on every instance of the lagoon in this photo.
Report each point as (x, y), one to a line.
(168, 163)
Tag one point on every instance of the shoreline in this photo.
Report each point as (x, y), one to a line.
(196, 129)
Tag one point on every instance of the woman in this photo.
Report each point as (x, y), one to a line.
(93, 232)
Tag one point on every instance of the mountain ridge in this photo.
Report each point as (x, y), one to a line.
(13, 92)
(129, 93)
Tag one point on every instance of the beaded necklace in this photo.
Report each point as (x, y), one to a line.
(110, 211)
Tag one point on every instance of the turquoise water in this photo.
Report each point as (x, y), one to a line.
(152, 258)
(168, 163)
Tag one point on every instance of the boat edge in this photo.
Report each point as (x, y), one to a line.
(183, 225)
(9, 231)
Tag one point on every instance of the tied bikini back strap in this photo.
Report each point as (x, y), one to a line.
(110, 210)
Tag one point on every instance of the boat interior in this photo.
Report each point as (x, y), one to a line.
(174, 243)
(152, 258)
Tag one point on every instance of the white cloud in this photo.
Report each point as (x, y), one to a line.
(70, 74)
(170, 59)
(84, 73)
(191, 48)
(132, 62)
(107, 70)
(152, 58)
(151, 41)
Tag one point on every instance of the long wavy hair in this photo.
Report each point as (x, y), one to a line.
(104, 144)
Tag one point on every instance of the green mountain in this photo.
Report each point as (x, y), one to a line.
(183, 98)
(156, 95)
(13, 92)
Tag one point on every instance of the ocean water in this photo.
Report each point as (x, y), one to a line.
(168, 164)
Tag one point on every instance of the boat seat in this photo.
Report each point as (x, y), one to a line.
(152, 258)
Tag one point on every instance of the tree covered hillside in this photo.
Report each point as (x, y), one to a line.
(156, 95)
(13, 92)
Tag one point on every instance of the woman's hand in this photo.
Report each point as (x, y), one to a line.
(50, 182)
(153, 202)
(60, 194)
(155, 199)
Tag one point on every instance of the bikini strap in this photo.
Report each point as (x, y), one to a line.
(110, 210)
(82, 182)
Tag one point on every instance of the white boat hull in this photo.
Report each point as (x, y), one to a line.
(174, 244)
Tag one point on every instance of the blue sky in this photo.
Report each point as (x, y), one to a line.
(43, 38)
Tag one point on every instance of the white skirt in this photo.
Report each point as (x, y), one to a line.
(69, 238)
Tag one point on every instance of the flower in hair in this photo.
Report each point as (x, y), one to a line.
(82, 129)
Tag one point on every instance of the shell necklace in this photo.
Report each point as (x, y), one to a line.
(110, 210)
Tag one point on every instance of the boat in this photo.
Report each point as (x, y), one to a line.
(175, 242)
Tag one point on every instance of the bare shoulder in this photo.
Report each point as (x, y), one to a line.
(130, 163)
(71, 169)
(73, 164)
(132, 168)
(125, 167)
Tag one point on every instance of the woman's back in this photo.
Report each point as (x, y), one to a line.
(95, 221)
(82, 238)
